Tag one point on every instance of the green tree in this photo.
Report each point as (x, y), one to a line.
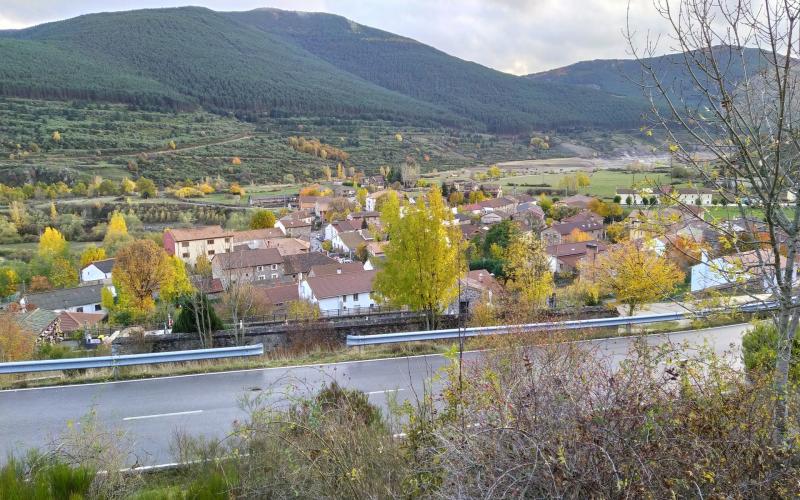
(262, 219)
(423, 257)
(62, 273)
(146, 188)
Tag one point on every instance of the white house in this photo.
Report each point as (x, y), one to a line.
(99, 270)
(87, 298)
(339, 292)
(350, 241)
(745, 268)
(334, 228)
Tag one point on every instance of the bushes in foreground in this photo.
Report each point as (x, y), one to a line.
(555, 421)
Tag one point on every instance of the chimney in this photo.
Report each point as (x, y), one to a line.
(480, 277)
(338, 270)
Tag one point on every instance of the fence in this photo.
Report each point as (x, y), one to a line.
(130, 359)
(454, 333)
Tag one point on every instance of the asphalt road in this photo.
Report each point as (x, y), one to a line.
(149, 412)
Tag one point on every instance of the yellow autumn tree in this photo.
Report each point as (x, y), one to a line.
(138, 273)
(494, 172)
(91, 254)
(633, 274)
(116, 233)
(577, 236)
(423, 257)
(175, 282)
(127, 186)
(528, 275)
(52, 244)
(56, 136)
(236, 160)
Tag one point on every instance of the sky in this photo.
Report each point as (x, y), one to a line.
(515, 36)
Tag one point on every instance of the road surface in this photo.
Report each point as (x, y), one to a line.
(150, 411)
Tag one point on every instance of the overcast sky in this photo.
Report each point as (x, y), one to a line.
(516, 36)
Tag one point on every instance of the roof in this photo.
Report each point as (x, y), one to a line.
(352, 239)
(105, 265)
(580, 248)
(281, 294)
(35, 321)
(347, 225)
(566, 228)
(71, 321)
(376, 248)
(257, 234)
(66, 297)
(248, 258)
(199, 233)
(583, 216)
(293, 223)
(481, 279)
(335, 285)
(311, 200)
(302, 263)
(576, 200)
(331, 269)
(288, 246)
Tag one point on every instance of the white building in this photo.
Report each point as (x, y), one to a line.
(339, 292)
(99, 270)
(745, 268)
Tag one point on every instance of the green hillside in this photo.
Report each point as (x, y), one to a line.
(625, 77)
(277, 64)
(503, 102)
(204, 57)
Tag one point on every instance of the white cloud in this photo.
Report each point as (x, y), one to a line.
(517, 36)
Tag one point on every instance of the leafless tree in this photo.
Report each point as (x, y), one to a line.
(734, 100)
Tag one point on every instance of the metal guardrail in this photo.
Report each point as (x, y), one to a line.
(454, 333)
(130, 359)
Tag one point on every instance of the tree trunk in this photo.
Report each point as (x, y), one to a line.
(787, 328)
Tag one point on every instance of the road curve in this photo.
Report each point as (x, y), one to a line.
(150, 411)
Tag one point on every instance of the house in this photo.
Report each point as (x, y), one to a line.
(350, 241)
(646, 224)
(254, 238)
(261, 264)
(189, 244)
(86, 298)
(371, 204)
(318, 204)
(278, 296)
(577, 201)
(41, 322)
(339, 292)
(491, 218)
(295, 228)
(372, 217)
(531, 209)
(478, 286)
(584, 216)
(493, 190)
(288, 246)
(99, 270)
(334, 228)
(560, 233)
(683, 196)
(376, 249)
(272, 201)
(754, 268)
(504, 204)
(74, 321)
(379, 181)
(297, 266)
(565, 257)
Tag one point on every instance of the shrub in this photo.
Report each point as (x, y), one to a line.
(759, 350)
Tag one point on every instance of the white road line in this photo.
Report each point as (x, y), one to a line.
(142, 417)
(387, 390)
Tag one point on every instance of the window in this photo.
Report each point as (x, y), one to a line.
(274, 267)
(262, 277)
(211, 252)
(185, 244)
(259, 268)
(98, 307)
(185, 255)
(355, 296)
(210, 242)
(227, 240)
(274, 276)
(80, 310)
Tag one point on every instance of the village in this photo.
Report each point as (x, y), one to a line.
(317, 253)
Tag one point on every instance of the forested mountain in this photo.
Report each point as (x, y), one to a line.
(625, 77)
(285, 63)
(500, 100)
